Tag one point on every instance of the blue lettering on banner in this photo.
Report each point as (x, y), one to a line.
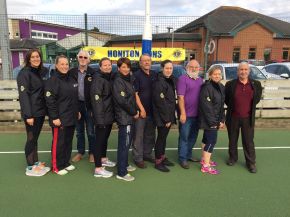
(130, 53)
(137, 53)
(156, 54)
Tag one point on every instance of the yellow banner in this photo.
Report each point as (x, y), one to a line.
(114, 53)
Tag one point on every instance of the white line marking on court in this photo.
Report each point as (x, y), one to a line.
(168, 149)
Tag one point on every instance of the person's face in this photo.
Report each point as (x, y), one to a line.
(124, 69)
(216, 76)
(35, 60)
(106, 66)
(167, 70)
(243, 71)
(62, 65)
(192, 67)
(83, 59)
(145, 63)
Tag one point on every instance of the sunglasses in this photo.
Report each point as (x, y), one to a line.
(81, 57)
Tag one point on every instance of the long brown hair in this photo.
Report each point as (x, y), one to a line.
(28, 56)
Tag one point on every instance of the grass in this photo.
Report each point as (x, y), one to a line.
(180, 193)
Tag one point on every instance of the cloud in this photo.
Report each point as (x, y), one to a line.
(131, 7)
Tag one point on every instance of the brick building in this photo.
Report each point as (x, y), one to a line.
(236, 34)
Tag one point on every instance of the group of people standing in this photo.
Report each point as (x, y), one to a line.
(141, 103)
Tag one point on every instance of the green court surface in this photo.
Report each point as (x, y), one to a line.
(180, 193)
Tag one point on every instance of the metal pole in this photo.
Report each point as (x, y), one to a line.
(206, 50)
(172, 38)
(4, 42)
(86, 29)
(147, 34)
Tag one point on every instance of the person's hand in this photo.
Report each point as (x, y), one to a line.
(79, 116)
(182, 118)
(167, 125)
(143, 113)
(56, 122)
(30, 121)
(137, 115)
(222, 125)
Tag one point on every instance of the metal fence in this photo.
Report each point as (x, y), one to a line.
(66, 34)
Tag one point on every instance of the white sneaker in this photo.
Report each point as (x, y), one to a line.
(70, 168)
(42, 166)
(103, 173)
(127, 177)
(35, 171)
(108, 163)
(131, 168)
(62, 172)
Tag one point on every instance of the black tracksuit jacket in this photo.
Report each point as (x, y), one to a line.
(30, 82)
(102, 99)
(87, 82)
(125, 106)
(164, 100)
(211, 105)
(61, 94)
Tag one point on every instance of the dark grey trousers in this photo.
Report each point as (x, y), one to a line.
(143, 139)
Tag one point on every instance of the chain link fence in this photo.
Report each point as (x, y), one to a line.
(256, 41)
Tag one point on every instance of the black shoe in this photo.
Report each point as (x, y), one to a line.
(230, 162)
(252, 169)
(161, 167)
(184, 165)
(149, 159)
(168, 163)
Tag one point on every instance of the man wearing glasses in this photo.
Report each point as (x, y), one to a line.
(188, 88)
(83, 74)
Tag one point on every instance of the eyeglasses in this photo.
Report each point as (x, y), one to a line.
(81, 57)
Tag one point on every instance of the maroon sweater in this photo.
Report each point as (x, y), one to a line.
(243, 100)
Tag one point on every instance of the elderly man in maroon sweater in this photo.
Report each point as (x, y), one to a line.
(242, 96)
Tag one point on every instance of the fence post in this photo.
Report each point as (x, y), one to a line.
(86, 29)
(4, 42)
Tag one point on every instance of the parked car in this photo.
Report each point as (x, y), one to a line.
(259, 63)
(49, 66)
(96, 66)
(229, 71)
(178, 70)
(278, 70)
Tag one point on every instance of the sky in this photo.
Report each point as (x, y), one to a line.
(277, 8)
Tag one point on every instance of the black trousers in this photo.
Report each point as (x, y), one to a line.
(61, 147)
(160, 145)
(32, 133)
(247, 131)
(99, 150)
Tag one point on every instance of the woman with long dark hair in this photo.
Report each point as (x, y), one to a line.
(30, 82)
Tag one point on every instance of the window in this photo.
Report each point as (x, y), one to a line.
(43, 35)
(267, 54)
(236, 55)
(252, 53)
(285, 55)
(272, 69)
(283, 70)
